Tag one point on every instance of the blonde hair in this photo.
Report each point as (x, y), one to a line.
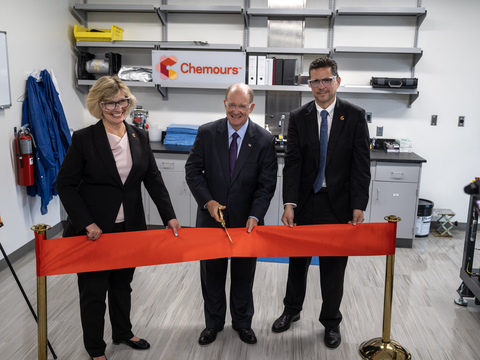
(106, 88)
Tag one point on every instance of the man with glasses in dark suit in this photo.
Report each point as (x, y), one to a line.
(232, 168)
(325, 181)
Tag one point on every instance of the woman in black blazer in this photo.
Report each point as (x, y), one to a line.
(99, 184)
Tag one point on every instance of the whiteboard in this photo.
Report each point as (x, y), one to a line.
(5, 99)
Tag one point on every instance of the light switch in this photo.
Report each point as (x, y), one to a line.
(368, 117)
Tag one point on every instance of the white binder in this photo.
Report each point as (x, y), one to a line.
(252, 70)
(261, 70)
(269, 72)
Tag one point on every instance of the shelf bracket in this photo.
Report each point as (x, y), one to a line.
(81, 15)
(82, 88)
(246, 18)
(412, 99)
(163, 92)
(162, 15)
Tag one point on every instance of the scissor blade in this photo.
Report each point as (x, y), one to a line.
(229, 236)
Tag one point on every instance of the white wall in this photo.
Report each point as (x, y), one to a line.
(39, 36)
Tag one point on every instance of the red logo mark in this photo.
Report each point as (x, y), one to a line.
(162, 67)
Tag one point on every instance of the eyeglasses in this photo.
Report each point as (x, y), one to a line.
(112, 105)
(326, 82)
(239, 107)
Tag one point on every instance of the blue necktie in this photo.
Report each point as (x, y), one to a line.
(233, 152)
(317, 185)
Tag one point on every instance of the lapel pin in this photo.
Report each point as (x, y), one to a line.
(133, 134)
(250, 145)
(342, 118)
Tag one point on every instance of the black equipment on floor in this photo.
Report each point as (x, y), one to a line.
(470, 286)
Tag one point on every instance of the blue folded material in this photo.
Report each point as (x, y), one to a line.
(172, 139)
(182, 129)
(180, 134)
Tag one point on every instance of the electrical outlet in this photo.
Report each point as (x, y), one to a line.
(368, 117)
(434, 120)
(461, 121)
(379, 130)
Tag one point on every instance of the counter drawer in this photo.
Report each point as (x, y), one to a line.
(171, 163)
(397, 172)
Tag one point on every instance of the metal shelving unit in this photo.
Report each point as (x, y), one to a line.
(128, 83)
(201, 46)
(382, 11)
(289, 13)
(279, 50)
(149, 45)
(82, 9)
(248, 12)
(201, 9)
(416, 52)
(156, 45)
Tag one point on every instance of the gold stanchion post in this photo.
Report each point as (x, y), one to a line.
(384, 348)
(40, 235)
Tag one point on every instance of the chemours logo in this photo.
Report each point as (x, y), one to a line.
(162, 67)
(192, 69)
(197, 67)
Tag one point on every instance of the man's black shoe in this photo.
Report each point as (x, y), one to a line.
(332, 337)
(283, 322)
(246, 335)
(208, 336)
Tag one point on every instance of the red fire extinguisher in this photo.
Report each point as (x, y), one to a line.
(24, 157)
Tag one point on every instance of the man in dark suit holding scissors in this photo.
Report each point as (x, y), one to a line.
(233, 163)
(326, 181)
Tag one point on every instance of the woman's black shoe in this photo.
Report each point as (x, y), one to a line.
(141, 344)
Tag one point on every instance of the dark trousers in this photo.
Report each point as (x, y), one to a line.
(317, 210)
(93, 288)
(213, 275)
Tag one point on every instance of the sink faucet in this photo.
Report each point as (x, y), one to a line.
(281, 125)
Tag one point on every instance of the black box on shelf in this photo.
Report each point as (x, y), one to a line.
(289, 69)
(394, 83)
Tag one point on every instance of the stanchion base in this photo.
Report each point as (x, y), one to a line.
(460, 301)
(378, 350)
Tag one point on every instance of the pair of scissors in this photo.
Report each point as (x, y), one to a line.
(222, 220)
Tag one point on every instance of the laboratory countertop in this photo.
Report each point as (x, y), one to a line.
(375, 155)
(401, 157)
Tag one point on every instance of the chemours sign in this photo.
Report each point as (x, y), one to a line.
(197, 67)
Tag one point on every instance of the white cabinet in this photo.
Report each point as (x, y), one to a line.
(372, 174)
(275, 211)
(172, 167)
(394, 191)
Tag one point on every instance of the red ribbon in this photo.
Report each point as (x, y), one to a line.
(154, 247)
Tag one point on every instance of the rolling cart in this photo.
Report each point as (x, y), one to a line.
(470, 286)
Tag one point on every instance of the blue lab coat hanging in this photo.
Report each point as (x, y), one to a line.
(43, 111)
